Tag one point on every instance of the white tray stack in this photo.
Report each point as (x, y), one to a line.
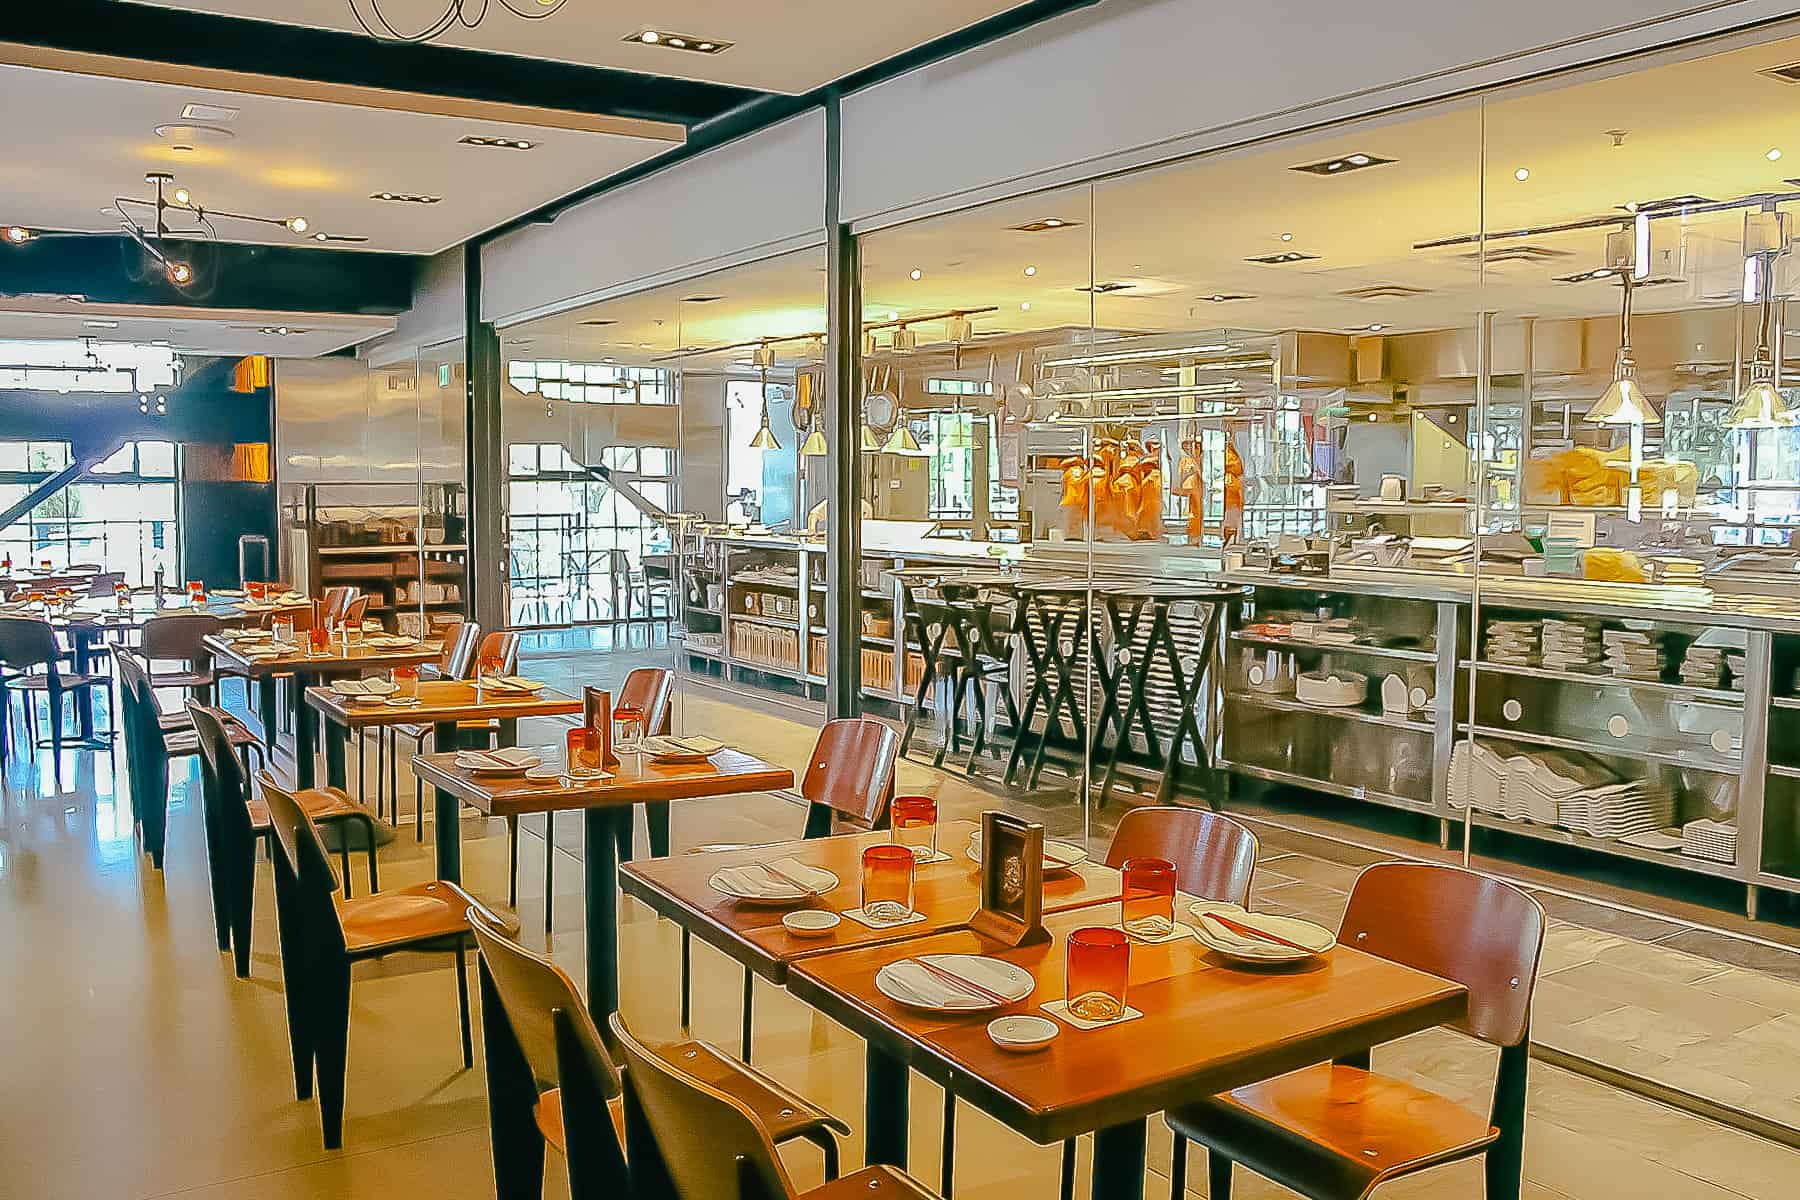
(1709, 839)
(1477, 778)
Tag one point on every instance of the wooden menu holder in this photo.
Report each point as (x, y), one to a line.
(596, 713)
(1012, 881)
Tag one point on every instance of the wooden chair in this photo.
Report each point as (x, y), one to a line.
(178, 637)
(848, 785)
(453, 662)
(322, 937)
(1214, 856)
(649, 690)
(337, 602)
(28, 646)
(550, 1080)
(356, 612)
(1337, 1130)
(714, 1146)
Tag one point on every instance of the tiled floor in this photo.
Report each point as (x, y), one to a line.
(136, 1066)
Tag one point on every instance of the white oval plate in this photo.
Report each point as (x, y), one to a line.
(1303, 933)
(724, 888)
(1015, 986)
(1067, 855)
(811, 922)
(483, 766)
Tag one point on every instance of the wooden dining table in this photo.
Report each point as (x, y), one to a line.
(1207, 1026)
(307, 670)
(606, 804)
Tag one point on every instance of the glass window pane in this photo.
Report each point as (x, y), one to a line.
(156, 460)
(120, 462)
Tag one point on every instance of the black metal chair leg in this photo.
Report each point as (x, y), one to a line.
(462, 1003)
(687, 950)
(1068, 1172)
(1218, 1176)
(549, 869)
(947, 1162)
(330, 1025)
(1178, 1169)
(749, 997)
(512, 861)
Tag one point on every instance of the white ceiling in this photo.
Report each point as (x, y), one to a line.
(90, 138)
(213, 332)
(779, 45)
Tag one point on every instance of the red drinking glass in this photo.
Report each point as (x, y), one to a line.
(319, 638)
(1099, 963)
(196, 591)
(406, 681)
(915, 824)
(1147, 907)
(887, 882)
(583, 748)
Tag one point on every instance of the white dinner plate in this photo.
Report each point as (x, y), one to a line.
(1213, 936)
(1010, 982)
(771, 890)
(1058, 856)
(482, 763)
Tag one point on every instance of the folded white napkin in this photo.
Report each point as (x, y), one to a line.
(753, 879)
(927, 987)
(696, 744)
(1300, 933)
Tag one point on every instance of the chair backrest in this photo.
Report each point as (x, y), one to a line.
(27, 642)
(356, 611)
(1214, 856)
(146, 755)
(703, 1134)
(337, 599)
(178, 635)
(648, 689)
(852, 773)
(502, 644)
(1476, 930)
(451, 632)
(310, 879)
(531, 990)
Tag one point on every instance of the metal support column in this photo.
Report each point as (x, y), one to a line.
(843, 350)
(485, 597)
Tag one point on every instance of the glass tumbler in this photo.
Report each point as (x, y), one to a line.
(487, 667)
(1147, 908)
(887, 883)
(583, 748)
(319, 638)
(196, 591)
(283, 630)
(1099, 962)
(628, 729)
(406, 681)
(915, 824)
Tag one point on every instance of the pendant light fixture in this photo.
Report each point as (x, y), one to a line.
(1761, 405)
(903, 441)
(765, 437)
(814, 445)
(870, 443)
(1624, 401)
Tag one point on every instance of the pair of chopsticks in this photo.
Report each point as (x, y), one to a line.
(1255, 934)
(967, 986)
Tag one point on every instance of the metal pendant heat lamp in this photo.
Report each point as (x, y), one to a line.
(814, 445)
(765, 437)
(1624, 402)
(1761, 405)
(903, 441)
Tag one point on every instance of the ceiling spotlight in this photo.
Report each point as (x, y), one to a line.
(90, 324)
(1774, 155)
(321, 237)
(1025, 306)
(500, 143)
(677, 41)
(297, 224)
(1334, 166)
(1377, 328)
(650, 37)
(1053, 222)
(917, 274)
(1030, 271)
(646, 345)
(1287, 237)
(1522, 174)
(1358, 160)
(181, 195)
(180, 273)
(16, 234)
(1044, 225)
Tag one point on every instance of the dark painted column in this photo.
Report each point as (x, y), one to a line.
(843, 400)
(485, 598)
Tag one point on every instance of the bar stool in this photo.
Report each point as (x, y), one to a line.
(983, 632)
(927, 623)
(1053, 660)
(1188, 669)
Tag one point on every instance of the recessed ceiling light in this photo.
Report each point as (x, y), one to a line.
(498, 143)
(677, 41)
(1110, 286)
(321, 237)
(1774, 154)
(1286, 256)
(916, 274)
(1377, 327)
(181, 195)
(406, 198)
(1338, 166)
(1287, 237)
(180, 273)
(214, 113)
(1025, 306)
(645, 345)
(16, 234)
(90, 324)
(1029, 271)
(297, 224)
(1522, 174)
(607, 360)
(1226, 297)
(1044, 225)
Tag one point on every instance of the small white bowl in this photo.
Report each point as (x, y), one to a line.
(1021, 1034)
(810, 922)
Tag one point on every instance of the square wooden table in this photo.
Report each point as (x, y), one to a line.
(1208, 1026)
(605, 804)
(307, 670)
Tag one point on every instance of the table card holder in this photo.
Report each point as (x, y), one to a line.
(1012, 881)
(596, 711)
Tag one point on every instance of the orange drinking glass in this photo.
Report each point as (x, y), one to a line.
(319, 638)
(583, 748)
(915, 824)
(887, 883)
(406, 681)
(1147, 907)
(1099, 962)
(256, 589)
(196, 590)
(628, 729)
(488, 667)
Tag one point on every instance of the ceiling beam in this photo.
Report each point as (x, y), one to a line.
(268, 58)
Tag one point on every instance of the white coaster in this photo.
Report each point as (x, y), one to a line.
(1060, 1010)
(1174, 935)
(937, 856)
(863, 918)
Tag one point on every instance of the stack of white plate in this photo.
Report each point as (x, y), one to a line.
(1715, 840)
(1571, 644)
(1616, 811)
(1734, 668)
(1538, 783)
(1703, 666)
(1633, 654)
(1514, 643)
(1478, 778)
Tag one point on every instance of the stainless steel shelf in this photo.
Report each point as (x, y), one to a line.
(1784, 771)
(776, 622)
(786, 585)
(1285, 704)
(1272, 775)
(1675, 756)
(1567, 837)
(1676, 690)
(368, 551)
(1395, 652)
